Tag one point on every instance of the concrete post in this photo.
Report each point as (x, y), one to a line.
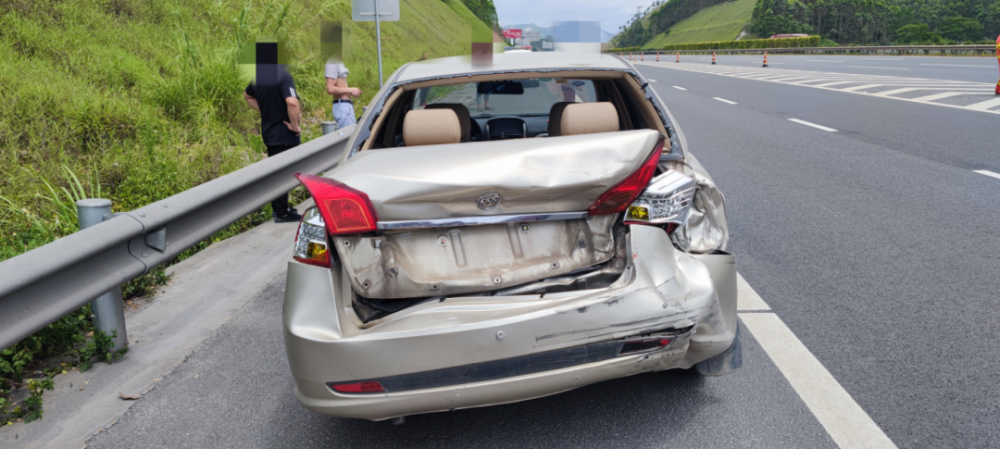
(108, 309)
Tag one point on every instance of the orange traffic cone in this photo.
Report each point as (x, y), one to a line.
(642, 56)
(997, 91)
(678, 57)
(765, 58)
(713, 57)
(657, 56)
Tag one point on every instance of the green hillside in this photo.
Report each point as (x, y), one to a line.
(722, 22)
(142, 99)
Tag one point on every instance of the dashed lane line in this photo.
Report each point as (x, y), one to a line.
(724, 100)
(984, 105)
(862, 87)
(961, 94)
(847, 423)
(896, 91)
(875, 67)
(987, 173)
(939, 96)
(679, 88)
(961, 65)
(803, 122)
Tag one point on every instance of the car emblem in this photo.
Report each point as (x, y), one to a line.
(488, 201)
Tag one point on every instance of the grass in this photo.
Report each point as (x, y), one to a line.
(718, 23)
(138, 100)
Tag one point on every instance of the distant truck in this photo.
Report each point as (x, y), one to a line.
(782, 36)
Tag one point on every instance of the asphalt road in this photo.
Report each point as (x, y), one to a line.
(875, 243)
(952, 68)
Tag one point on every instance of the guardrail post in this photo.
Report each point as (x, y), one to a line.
(108, 309)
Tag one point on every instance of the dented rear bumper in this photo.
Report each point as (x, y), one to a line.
(484, 350)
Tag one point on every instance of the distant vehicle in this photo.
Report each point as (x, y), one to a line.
(782, 36)
(458, 258)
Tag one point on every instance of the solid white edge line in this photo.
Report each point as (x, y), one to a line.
(746, 297)
(724, 100)
(847, 423)
(679, 88)
(981, 172)
(803, 122)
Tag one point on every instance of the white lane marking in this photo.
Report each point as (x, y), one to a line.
(875, 67)
(981, 172)
(679, 88)
(896, 91)
(856, 88)
(746, 297)
(724, 100)
(652, 80)
(985, 105)
(831, 84)
(960, 65)
(847, 423)
(803, 122)
(938, 96)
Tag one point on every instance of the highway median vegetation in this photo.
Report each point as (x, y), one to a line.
(136, 101)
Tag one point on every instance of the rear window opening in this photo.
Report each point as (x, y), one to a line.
(492, 110)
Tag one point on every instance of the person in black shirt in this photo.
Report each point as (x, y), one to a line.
(272, 94)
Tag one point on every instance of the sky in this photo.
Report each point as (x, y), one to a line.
(611, 14)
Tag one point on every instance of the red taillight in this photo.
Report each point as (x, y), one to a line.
(618, 198)
(345, 210)
(359, 387)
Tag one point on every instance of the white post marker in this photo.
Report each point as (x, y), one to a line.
(847, 423)
(803, 122)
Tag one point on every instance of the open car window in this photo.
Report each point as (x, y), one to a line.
(530, 97)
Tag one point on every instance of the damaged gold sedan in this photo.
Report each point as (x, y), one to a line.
(496, 234)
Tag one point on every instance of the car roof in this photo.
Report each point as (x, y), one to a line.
(511, 62)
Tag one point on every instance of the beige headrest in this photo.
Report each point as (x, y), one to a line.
(431, 127)
(589, 118)
(555, 118)
(464, 118)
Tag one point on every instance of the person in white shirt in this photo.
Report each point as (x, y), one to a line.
(343, 95)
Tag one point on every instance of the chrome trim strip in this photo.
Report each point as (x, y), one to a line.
(478, 221)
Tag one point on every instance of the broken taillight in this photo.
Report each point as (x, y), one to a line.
(667, 201)
(311, 245)
(344, 210)
(646, 344)
(359, 387)
(618, 198)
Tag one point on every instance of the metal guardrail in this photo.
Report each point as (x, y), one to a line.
(41, 286)
(885, 49)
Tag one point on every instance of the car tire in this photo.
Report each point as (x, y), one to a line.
(726, 363)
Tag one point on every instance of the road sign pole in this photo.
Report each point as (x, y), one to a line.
(378, 43)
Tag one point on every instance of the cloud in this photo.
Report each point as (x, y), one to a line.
(611, 14)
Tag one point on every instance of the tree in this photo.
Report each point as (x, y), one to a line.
(961, 29)
(916, 33)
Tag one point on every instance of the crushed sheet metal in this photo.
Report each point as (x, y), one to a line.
(562, 174)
